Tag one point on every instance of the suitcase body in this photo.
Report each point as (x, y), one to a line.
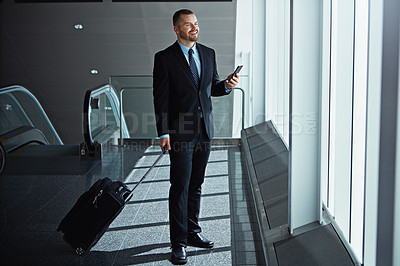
(93, 213)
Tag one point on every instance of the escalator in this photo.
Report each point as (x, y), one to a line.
(31, 145)
(101, 122)
(43, 178)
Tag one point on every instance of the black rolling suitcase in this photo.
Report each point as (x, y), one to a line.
(94, 211)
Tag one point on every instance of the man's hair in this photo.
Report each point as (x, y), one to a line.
(177, 15)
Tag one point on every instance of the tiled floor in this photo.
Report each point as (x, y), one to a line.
(140, 234)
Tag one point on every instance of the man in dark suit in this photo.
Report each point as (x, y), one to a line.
(184, 79)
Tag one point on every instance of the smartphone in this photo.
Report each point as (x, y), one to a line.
(237, 70)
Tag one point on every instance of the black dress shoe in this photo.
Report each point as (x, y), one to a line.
(197, 240)
(178, 256)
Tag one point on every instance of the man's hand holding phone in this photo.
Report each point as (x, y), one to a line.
(233, 78)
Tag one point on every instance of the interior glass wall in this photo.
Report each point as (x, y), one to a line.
(138, 109)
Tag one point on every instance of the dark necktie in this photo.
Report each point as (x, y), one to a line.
(193, 68)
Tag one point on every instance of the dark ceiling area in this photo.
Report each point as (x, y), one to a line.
(52, 49)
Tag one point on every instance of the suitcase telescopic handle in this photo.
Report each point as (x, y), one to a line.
(164, 150)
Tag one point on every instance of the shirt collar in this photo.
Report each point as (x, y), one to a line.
(186, 49)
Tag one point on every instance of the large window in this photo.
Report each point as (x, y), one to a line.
(344, 87)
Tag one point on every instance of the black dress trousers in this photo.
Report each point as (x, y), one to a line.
(188, 164)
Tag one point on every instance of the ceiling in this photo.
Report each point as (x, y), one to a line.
(41, 50)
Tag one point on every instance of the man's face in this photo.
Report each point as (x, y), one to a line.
(188, 28)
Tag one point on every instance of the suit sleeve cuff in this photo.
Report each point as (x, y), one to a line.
(227, 90)
(164, 136)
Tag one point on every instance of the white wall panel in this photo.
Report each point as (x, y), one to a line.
(250, 51)
(243, 47)
(341, 109)
(277, 65)
(257, 96)
(373, 120)
(304, 105)
(324, 101)
(359, 123)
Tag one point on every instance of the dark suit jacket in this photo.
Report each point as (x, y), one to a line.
(177, 101)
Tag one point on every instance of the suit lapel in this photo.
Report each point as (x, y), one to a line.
(203, 62)
(182, 60)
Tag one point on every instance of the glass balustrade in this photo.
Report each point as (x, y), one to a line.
(136, 93)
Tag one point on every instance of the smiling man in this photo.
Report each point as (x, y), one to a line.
(184, 79)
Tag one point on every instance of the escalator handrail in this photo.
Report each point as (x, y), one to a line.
(19, 88)
(21, 137)
(87, 133)
(3, 158)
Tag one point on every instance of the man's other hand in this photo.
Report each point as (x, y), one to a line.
(232, 81)
(165, 142)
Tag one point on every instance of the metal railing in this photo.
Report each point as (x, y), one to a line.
(243, 102)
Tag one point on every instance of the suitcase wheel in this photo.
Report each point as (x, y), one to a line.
(79, 251)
